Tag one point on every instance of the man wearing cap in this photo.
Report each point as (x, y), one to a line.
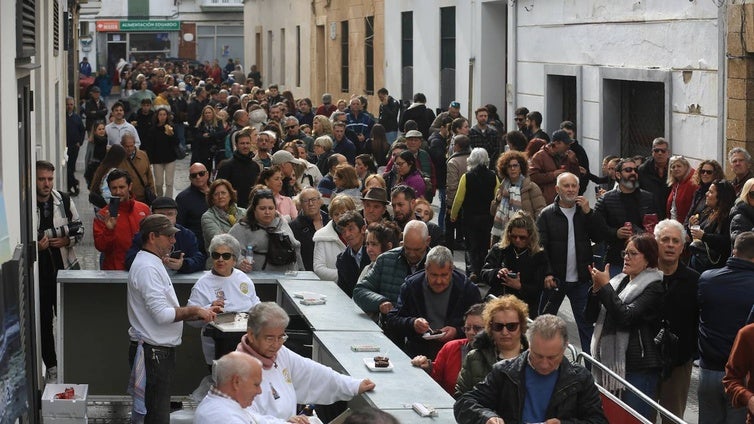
(241, 169)
(311, 219)
(119, 126)
(186, 256)
(453, 112)
(156, 322)
(375, 205)
(285, 160)
(550, 161)
(192, 202)
(113, 234)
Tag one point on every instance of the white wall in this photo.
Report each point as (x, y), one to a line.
(272, 15)
(118, 8)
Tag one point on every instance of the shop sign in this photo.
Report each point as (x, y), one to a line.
(137, 26)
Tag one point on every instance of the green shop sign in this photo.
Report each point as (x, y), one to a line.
(150, 26)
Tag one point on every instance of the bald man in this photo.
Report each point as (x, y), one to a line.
(238, 380)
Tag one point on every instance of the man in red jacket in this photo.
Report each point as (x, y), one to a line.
(113, 233)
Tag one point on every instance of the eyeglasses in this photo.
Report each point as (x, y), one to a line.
(629, 169)
(278, 339)
(401, 163)
(657, 150)
(519, 119)
(630, 253)
(197, 174)
(310, 201)
(706, 171)
(498, 326)
(475, 328)
(226, 256)
(289, 127)
(514, 165)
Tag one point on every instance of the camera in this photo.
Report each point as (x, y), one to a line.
(72, 229)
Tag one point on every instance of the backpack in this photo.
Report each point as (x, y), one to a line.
(280, 250)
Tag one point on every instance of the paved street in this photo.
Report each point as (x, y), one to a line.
(88, 257)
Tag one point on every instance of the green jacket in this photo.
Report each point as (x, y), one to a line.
(383, 281)
(478, 362)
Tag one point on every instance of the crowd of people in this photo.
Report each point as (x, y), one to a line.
(279, 185)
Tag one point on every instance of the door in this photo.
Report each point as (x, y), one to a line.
(187, 45)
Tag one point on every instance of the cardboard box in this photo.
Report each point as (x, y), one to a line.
(64, 408)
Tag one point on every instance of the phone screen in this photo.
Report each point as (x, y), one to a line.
(176, 254)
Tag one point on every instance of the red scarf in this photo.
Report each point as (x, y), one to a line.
(244, 346)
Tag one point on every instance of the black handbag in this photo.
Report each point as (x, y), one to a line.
(667, 343)
(704, 257)
(280, 250)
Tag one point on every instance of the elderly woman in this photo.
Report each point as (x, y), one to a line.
(711, 228)
(742, 214)
(626, 310)
(323, 150)
(481, 184)
(517, 265)
(515, 192)
(682, 187)
(447, 364)
(504, 337)
(222, 213)
(224, 286)
(261, 222)
(327, 241)
(708, 171)
(288, 378)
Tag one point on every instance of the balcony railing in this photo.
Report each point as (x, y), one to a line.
(221, 5)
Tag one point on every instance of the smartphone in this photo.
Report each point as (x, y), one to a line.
(176, 254)
(512, 274)
(113, 207)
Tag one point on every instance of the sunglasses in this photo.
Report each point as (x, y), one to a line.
(629, 169)
(706, 171)
(659, 150)
(498, 326)
(519, 119)
(476, 328)
(290, 127)
(197, 174)
(226, 256)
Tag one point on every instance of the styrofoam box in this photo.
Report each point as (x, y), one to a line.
(64, 408)
(54, 420)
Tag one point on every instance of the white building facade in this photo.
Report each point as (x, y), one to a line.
(624, 72)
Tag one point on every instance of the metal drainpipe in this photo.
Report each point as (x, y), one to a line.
(512, 85)
(722, 72)
(471, 85)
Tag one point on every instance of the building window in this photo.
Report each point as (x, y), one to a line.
(26, 25)
(344, 56)
(55, 28)
(369, 53)
(447, 55)
(407, 55)
(282, 56)
(562, 100)
(138, 9)
(298, 55)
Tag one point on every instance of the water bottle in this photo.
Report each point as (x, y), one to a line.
(250, 253)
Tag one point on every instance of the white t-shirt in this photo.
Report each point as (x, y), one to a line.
(217, 409)
(151, 302)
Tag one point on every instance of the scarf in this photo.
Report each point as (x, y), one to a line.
(245, 347)
(229, 216)
(137, 384)
(510, 203)
(610, 348)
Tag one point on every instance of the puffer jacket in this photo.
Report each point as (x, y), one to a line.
(641, 318)
(614, 214)
(742, 219)
(327, 246)
(477, 364)
(258, 237)
(575, 398)
(552, 225)
(383, 281)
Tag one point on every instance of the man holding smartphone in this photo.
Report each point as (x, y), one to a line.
(186, 257)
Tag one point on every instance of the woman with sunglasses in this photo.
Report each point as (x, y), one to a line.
(627, 309)
(682, 187)
(222, 213)
(504, 337)
(255, 229)
(447, 364)
(224, 286)
(289, 378)
(517, 265)
(708, 171)
(711, 228)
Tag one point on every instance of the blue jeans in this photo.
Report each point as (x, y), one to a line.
(180, 132)
(646, 381)
(160, 369)
(714, 404)
(577, 293)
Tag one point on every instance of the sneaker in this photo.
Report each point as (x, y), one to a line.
(51, 376)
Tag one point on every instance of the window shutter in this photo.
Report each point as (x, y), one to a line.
(26, 38)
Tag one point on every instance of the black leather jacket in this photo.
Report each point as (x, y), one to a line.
(614, 214)
(575, 398)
